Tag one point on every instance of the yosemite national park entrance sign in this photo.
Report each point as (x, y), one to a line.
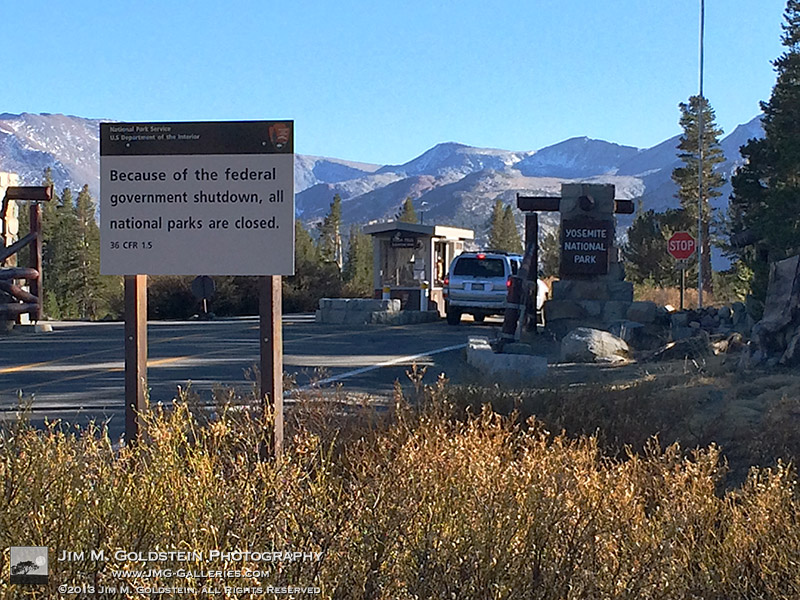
(585, 245)
(203, 198)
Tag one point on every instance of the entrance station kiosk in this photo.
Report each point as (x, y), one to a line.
(411, 261)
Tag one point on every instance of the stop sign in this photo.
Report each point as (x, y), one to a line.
(681, 245)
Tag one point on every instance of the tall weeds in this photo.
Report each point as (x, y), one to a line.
(412, 503)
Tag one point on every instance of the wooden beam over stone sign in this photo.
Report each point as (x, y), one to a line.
(549, 204)
(210, 198)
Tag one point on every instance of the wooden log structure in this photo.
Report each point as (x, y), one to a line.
(31, 302)
(17, 246)
(18, 309)
(31, 193)
(19, 273)
(17, 292)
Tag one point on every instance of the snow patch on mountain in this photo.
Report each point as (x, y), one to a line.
(576, 158)
(317, 198)
(69, 145)
(452, 160)
(311, 170)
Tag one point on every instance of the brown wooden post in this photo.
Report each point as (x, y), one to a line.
(532, 246)
(271, 345)
(514, 299)
(37, 285)
(135, 355)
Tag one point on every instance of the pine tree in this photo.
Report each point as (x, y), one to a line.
(305, 252)
(24, 219)
(645, 251)
(496, 226)
(357, 272)
(61, 261)
(512, 241)
(49, 209)
(767, 186)
(503, 234)
(549, 253)
(90, 293)
(407, 213)
(686, 176)
(313, 279)
(330, 238)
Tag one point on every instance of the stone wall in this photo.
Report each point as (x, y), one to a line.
(597, 303)
(723, 320)
(363, 311)
(352, 311)
(645, 325)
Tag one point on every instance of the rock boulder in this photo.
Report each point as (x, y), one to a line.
(593, 345)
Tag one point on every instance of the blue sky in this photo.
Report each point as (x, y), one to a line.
(384, 81)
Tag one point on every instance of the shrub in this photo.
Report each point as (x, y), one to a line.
(170, 297)
(412, 503)
(671, 295)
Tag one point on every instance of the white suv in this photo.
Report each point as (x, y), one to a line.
(477, 284)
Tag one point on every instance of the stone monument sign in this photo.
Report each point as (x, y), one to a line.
(591, 291)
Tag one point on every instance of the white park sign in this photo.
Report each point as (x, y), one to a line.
(210, 198)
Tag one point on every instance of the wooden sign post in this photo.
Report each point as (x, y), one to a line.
(271, 349)
(135, 354)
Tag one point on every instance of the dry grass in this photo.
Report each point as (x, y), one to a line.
(672, 295)
(407, 503)
(754, 417)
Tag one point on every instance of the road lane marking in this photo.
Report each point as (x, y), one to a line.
(19, 368)
(29, 366)
(165, 361)
(153, 342)
(380, 365)
(118, 366)
(94, 371)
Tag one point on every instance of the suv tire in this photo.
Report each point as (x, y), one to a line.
(453, 316)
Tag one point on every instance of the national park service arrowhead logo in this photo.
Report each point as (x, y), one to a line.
(280, 134)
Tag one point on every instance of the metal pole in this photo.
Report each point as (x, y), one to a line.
(700, 166)
(683, 284)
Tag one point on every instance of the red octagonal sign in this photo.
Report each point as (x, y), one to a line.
(681, 245)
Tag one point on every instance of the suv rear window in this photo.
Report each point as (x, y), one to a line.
(474, 267)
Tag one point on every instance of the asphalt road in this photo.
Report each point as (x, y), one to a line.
(76, 372)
